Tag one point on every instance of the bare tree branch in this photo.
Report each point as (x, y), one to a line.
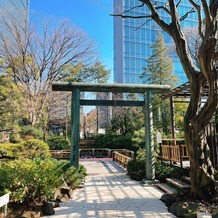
(200, 23)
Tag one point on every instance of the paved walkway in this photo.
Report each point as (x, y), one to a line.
(109, 193)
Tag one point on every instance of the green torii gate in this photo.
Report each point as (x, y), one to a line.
(147, 90)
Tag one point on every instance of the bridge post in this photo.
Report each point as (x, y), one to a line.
(149, 142)
(75, 130)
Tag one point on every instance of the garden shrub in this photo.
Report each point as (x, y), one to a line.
(163, 171)
(36, 180)
(10, 150)
(136, 169)
(58, 143)
(35, 148)
(113, 141)
(29, 180)
(73, 176)
(30, 132)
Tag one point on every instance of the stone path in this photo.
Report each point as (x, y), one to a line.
(109, 193)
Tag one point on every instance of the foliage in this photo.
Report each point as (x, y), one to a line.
(10, 100)
(80, 72)
(180, 110)
(138, 138)
(35, 55)
(113, 141)
(136, 169)
(30, 131)
(29, 180)
(10, 150)
(73, 176)
(36, 180)
(35, 148)
(32, 148)
(126, 120)
(141, 154)
(163, 171)
(58, 143)
(159, 70)
(202, 79)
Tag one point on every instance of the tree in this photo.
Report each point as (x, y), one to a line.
(126, 120)
(201, 79)
(35, 57)
(10, 99)
(159, 70)
(94, 72)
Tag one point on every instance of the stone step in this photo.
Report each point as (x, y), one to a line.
(177, 183)
(166, 188)
(186, 179)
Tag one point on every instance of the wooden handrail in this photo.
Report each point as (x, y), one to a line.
(121, 159)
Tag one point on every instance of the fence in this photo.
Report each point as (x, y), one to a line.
(173, 150)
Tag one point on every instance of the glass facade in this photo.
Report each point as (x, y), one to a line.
(133, 38)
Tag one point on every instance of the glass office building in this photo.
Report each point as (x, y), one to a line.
(133, 38)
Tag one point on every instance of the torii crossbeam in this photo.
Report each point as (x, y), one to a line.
(146, 89)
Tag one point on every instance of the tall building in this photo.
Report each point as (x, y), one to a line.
(133, 38)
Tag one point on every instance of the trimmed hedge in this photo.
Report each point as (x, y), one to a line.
(113, 141)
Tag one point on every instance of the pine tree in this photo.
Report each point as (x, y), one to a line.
(159, 70)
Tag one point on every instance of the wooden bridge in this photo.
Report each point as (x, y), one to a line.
(171, 153)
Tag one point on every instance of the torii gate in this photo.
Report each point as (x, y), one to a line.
(147, 90)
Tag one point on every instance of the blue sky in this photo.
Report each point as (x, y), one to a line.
(90, 15)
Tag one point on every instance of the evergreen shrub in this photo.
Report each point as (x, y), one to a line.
(29, 132)
(113, 141)
(136, 169)
(58, 143)
(35, 148)
(10, 150)
(35, 180)
(29, 180)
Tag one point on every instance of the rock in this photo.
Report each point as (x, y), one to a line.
(172, 209)
(55, 202)
(71, 192)
(57, 194)
(47, 208)
(64, 198)
(187, 210)
(168, 199)
(65, 191)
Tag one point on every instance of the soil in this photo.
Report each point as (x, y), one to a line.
(23, 210)
(204, 206)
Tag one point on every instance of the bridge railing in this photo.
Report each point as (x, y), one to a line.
(121, 159)
(92, 153)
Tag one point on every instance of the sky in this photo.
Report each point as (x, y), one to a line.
(92, 16)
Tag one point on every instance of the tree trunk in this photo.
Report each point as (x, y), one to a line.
(201, 168)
